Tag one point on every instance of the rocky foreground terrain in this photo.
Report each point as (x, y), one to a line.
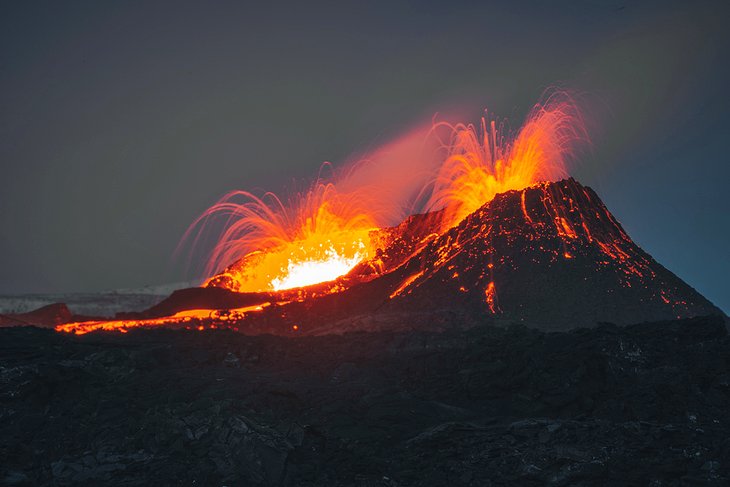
(639, 405)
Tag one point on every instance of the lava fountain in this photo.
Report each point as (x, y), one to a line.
(483, 161)
(270, 244)
(317, 237)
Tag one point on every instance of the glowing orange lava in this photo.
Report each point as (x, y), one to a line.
(273, 246)
(320, 234)
(407, 282)
(490, 294)
(481, 162)
(182, 317)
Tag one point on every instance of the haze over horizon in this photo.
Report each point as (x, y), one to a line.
(122, 123)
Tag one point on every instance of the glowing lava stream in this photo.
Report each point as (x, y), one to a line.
(186, 316)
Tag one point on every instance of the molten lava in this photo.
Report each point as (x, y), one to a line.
(192, 319)
(318, 235)
(482, 162)
(273, 247)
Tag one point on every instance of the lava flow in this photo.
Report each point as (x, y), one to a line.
(199, 319)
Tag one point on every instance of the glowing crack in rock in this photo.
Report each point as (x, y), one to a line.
(407, 282)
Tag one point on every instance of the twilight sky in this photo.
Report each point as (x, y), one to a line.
(120, 122)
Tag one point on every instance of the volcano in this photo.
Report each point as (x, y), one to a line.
(551, 256)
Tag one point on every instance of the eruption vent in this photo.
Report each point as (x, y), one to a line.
(318, 237)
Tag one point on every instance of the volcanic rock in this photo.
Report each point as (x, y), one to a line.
(637, 405)
(48, 316)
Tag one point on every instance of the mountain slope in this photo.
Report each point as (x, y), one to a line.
(551, 255)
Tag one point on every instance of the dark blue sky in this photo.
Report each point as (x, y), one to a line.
(120, 122)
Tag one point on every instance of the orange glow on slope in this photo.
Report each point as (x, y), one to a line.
(567, 230)
(481, 162)
(407, 282)
(83, 327)
(491, 298)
